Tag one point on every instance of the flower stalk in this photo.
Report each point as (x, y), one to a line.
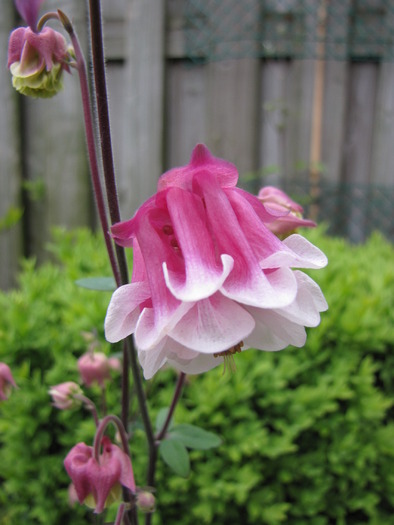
(90, 140)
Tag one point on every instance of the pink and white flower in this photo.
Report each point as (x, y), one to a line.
(209, 277)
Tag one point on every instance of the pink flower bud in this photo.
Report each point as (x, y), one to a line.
(276, 201)
(63, 395)
(36, 59)
(98, 482)
(6, 381)
(145, 501)
(96, 367)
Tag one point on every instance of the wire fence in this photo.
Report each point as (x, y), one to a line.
(325, 29)
(349, 210)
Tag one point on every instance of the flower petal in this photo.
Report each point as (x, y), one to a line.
(28, 9)
(124, 310)
(201, 160)
(213, 325)
(202, 275)
(246, 283)
(298, 253)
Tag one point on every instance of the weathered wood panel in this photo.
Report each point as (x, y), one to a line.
(186, 118)
(10, 159)
(141, 138)
(55, 155)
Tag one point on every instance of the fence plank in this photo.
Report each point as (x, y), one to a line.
(10, 165)
(358, 145)
(185, 111)
(273, 121)
(140, 142)
(56, 157)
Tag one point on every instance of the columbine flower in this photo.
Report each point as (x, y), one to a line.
(36, 59)
(95, 367)
(63, 395)
(289, 213)
(98, 483)
(209, 278)
(6, 381)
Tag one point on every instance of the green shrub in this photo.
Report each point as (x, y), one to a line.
(308, 433)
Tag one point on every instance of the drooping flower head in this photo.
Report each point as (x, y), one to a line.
(64, 395)
(6, 381)
(290, 213)
(98, 483)
(36, 59)
(95, 367)
(209, 278)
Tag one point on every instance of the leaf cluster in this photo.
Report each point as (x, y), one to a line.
(307, 434)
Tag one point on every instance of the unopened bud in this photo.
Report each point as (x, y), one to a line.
(63, 395)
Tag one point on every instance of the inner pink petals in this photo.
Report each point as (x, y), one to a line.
(246, 283)
(203, 274)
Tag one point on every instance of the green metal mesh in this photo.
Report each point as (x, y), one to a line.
(327, 29)
(350, 210)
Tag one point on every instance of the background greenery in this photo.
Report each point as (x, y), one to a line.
(308, 434)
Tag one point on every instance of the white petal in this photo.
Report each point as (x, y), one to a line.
(274, 332)
(272, 290)
(124, 310)
(213, 325)
(300, 254)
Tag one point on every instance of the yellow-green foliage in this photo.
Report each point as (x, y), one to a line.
(308, 434)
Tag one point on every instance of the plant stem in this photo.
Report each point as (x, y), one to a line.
(176, 397)
(113, 205)
(104, 124)
(91, 147)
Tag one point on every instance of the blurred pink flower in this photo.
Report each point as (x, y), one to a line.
(36, 59)
(95, 367)
(98, 483)
(6, 381)
(289, 213)
(63, 395)
(209, 278)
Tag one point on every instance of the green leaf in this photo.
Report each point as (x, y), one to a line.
(160, 419)
(195, 437)
(104, 284)
(174, 453)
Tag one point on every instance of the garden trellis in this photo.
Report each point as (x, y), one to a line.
(239, 76)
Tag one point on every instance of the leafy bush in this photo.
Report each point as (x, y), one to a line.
(307, 433)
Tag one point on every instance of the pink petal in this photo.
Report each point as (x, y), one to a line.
(28, 9)
(201, 160)
(213, 325)
(202, 275)
(246, 283)
(124, 310)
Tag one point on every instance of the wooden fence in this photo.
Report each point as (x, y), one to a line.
(285, 119)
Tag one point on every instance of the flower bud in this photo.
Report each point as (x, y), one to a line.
(288, 212)
(37, 61)
(95, 367)
(145, 501)
(6, 381)
(63, 395)
(98, 482)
